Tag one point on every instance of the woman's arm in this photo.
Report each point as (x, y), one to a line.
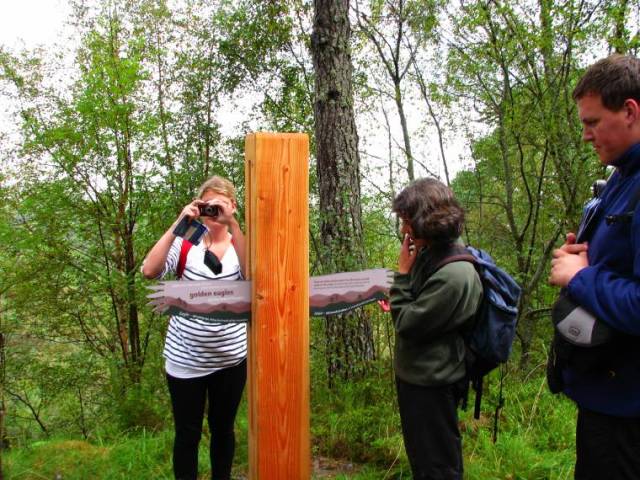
(238, 242)
(154, 261)
(156, 258)
(227, 217)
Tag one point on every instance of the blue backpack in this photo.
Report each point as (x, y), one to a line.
(488, 341)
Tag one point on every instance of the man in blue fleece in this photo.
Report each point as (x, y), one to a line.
(602, 275)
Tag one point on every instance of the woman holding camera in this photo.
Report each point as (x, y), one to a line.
(202, 359)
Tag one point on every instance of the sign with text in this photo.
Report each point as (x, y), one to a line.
(230, 301)
(341, 292)
(209, 300)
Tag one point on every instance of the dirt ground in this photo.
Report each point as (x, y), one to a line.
(325, 469)
(328, 467)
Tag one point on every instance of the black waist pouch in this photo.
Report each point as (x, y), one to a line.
(580, 342)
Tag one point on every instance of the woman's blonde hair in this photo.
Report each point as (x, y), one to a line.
(220, 185)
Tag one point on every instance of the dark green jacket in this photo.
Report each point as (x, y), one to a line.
(430, 314)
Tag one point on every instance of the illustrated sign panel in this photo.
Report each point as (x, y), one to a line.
(209, 300)
(230, 301)
(341, 292)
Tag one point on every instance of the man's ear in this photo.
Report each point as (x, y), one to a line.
(632, 110)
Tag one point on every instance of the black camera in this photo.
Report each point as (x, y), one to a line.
(210, 210)
(598, 187)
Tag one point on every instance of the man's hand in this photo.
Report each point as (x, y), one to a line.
(567, 261)
(570, 245)
(407, 255)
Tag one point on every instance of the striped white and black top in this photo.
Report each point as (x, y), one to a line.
(193, 347)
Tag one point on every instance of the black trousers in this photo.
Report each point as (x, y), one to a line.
(429, 418)
(223, 389)
(607, 447)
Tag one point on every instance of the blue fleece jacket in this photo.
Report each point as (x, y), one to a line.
(610, 288)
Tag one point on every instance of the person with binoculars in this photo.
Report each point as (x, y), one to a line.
(204, 360)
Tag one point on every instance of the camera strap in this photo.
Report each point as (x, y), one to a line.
(182, 260)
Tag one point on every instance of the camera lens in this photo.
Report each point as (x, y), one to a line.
(209, 210)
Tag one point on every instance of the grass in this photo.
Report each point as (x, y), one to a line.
(355, 435)
(139, 457)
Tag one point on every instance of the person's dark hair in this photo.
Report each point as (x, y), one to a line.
(615, 78)
(431, 209)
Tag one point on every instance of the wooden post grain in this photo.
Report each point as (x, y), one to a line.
(277, 213)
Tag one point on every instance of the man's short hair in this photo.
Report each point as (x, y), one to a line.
(431, 209)
(615, 78)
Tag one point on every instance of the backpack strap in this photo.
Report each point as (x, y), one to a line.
(478, 386)
(439, 256)
(461, 254)
(182, 260)
(450, 254)
(499, 405)
(592, 212)
(460, 257)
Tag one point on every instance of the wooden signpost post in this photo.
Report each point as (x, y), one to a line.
(277, 215)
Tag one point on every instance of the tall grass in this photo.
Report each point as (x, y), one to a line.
(136, 455)
(139, 457)
(356, 426)
(359, 421)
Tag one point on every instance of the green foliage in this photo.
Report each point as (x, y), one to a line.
(535, 438)
(135, 455)
(357, 422)
(142, 456)
(141, 407)
(107, 160)
(531, 172)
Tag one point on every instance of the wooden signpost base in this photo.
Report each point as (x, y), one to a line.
(277, 213)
